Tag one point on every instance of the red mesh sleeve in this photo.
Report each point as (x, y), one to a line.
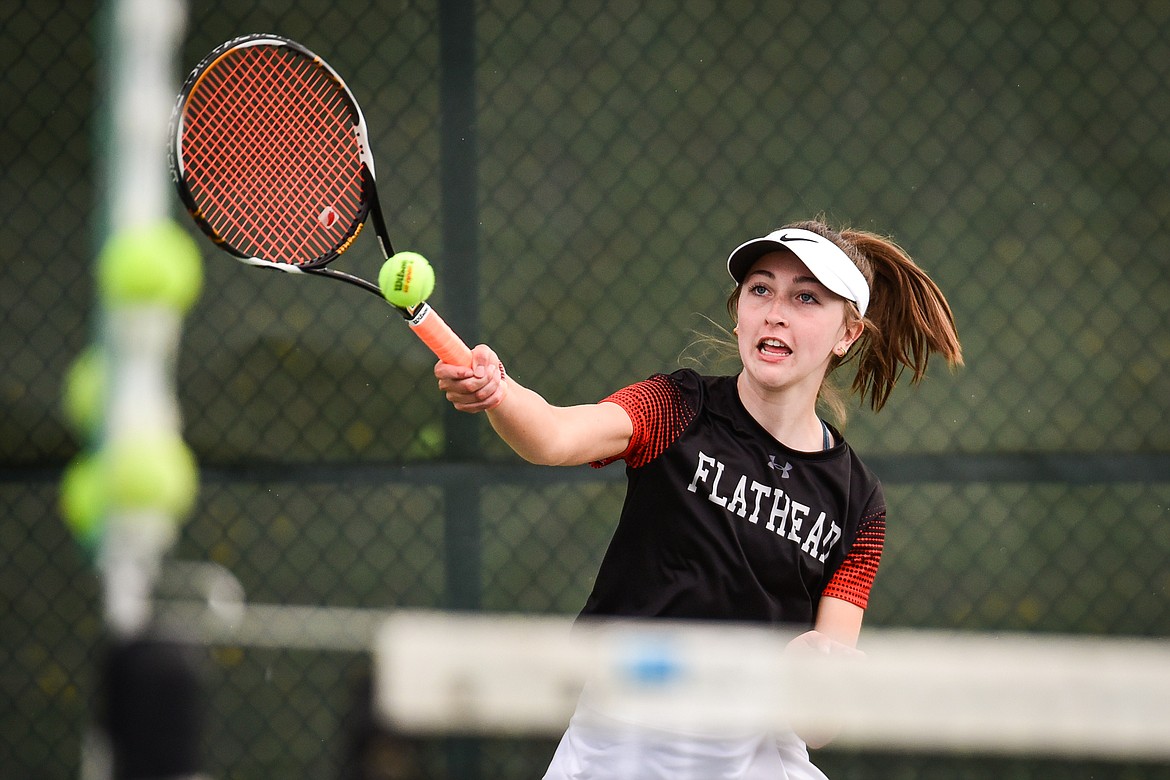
(854, 579)
(659, 413)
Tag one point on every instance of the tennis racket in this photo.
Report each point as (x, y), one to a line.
(271, 156)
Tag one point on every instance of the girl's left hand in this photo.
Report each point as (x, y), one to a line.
(822, 644)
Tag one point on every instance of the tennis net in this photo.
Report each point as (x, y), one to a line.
(915, 690)
(937, 703)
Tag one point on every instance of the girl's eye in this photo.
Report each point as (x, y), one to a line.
(806, 297)
(758, 289)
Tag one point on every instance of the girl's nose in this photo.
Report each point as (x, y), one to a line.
(776, 314)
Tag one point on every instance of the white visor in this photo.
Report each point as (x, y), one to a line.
(831, 266)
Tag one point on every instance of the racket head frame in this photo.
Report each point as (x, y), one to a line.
(368, 205)
(423, 320)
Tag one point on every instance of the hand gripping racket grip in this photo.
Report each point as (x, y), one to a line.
(438, 336)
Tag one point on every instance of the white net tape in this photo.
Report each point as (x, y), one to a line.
(914, 690)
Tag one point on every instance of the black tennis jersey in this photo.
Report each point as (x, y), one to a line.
(723, 522)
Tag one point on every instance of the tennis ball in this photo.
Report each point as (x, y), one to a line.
(150, 264)
(85, 391)
(427, 442)
(406, 279)
(83, 499)
(151, 471)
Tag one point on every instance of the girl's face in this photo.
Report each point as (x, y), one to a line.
(789, 325)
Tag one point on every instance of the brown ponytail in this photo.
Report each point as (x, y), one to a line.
(908, 319)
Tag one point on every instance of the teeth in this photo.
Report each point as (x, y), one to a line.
(774, 345)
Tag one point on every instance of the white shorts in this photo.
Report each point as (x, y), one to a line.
(597, 747)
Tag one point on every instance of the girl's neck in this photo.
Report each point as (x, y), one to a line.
(788, 415)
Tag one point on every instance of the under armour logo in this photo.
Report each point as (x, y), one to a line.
(787, 467)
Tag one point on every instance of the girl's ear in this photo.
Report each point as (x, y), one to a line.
(852, 333)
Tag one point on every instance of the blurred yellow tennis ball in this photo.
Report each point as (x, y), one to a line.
(406, 279)
(84, 393)
(151, 471)
(83, 499)
(151, 264)
(427, 442)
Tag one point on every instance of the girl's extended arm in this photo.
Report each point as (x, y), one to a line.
(538, 431)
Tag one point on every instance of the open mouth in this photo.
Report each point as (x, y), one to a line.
(773, 347)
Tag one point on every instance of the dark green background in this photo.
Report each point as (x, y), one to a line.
(614, 154)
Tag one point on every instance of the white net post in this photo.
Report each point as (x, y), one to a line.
(139, 338)
(125, 496)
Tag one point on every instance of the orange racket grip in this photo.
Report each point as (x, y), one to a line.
(439, 337)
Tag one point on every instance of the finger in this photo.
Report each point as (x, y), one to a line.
(484, 398)
(451, 371)
(483, 360)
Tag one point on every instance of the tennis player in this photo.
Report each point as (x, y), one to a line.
(742, 503)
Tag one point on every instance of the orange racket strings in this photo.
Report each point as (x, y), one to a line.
(271, 156)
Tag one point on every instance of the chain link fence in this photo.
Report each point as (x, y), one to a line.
(618, 151)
